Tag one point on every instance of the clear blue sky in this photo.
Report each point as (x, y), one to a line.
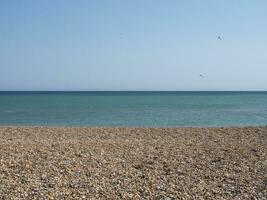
(133, 45)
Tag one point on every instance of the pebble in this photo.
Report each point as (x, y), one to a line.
(133, 163)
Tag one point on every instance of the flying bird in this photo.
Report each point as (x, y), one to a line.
(219, 38)
(201, 75)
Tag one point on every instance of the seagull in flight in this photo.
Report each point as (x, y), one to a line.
(201, 75)
(219, 38)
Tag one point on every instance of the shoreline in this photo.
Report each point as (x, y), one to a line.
(133, 127)
(132, 163)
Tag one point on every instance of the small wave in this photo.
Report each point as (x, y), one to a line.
(260, 117)
(9, 111)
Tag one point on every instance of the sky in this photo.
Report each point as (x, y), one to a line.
(133, 45)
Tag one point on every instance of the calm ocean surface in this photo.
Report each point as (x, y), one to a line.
(133, 108)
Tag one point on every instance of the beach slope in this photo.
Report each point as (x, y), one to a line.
(133, 163)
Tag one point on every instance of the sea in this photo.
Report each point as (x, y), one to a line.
(133, 109)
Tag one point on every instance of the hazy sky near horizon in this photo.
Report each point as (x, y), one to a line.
(133, 45)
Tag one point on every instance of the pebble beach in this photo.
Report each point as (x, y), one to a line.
(133, 163)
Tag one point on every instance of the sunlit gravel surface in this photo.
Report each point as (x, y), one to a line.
(133, 163)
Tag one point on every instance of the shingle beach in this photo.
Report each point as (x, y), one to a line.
(133, 163)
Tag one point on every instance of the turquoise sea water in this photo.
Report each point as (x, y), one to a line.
(158, 109)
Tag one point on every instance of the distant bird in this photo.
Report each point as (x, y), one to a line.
(219, 38)
(201, 75)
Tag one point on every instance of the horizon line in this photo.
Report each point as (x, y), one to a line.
(133, 90)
